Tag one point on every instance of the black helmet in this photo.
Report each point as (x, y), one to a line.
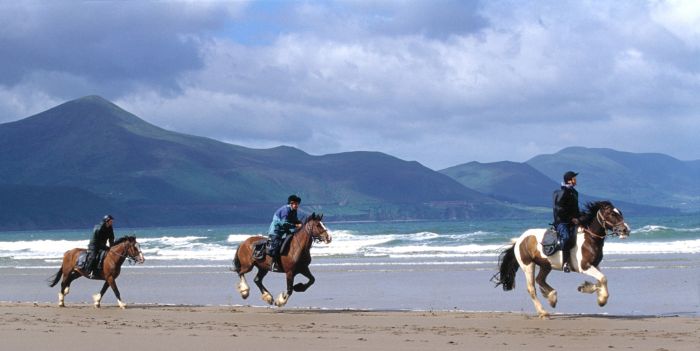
(293, 198)
(568, 175)
(107, 218)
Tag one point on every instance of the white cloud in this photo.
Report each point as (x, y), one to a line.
(442, 85)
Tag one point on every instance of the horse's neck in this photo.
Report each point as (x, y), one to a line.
(118, 250)
(302, 239)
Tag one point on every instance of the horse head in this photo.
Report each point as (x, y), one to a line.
(132, 248)
(316, 229)
(610, 218)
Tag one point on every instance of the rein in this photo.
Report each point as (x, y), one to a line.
(132, 259)
(604, 224)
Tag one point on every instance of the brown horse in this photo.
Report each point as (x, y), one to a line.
(527, 253)
(123, 248)
(295, 261)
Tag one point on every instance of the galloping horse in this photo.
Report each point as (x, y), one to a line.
(296, 261)
(123, 248)
(585, 256)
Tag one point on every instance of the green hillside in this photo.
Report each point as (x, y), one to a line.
(150, 176)
(642, 178)
(508, 181)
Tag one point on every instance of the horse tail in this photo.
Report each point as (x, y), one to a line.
(507, 267)
(56, 278)
(237, 261)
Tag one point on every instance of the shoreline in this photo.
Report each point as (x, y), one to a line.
(165, 327)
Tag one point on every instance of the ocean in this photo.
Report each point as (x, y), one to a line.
(353, 242)
(395, 252)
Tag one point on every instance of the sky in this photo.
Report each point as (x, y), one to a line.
(440, 82)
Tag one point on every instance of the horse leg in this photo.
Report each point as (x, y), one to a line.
(243, 287)
(601, 287)
(302, 287)
(545, 288)
(266, 296)
(97, 298)
(530, 282)
(66, 279)
(283, 297)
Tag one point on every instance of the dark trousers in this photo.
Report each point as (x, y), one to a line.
(274, 246)
(566, 234)
(91, 264)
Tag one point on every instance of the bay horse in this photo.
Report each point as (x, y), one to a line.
(295, 261)
(123, 248)
(586, 255)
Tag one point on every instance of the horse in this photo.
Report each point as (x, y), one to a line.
(123, 248)
(586, 255)
(295, 261)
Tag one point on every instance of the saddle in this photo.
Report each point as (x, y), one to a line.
(550, 242)
(260, 247)
(82, 260)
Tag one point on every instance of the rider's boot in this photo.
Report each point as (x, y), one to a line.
(565, 259)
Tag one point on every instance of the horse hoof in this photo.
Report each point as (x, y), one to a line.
(552, 299)
(282, 299)
(121, 305)
(544, 315)
(267, 298)
(245, 294)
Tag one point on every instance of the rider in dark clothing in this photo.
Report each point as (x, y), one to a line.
(102, 234)
(285, 222)
(566, 216)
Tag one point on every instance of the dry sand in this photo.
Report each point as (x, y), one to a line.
(32, 326)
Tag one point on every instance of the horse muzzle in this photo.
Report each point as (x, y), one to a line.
(622, 231)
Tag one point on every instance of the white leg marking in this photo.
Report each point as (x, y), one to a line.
(122, 305)
(267, 298)
(243, 288)
(282, 299)
(530, 278)
(60, 300)
(602, 285)
(96, 299)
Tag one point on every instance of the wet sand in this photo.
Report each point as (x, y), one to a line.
(40, 326)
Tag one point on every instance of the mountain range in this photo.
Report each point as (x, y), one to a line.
(69, 165)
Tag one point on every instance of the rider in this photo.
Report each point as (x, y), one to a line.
(102, 234)
(566, 216)
(285, 222)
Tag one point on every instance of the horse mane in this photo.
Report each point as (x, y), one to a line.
(123, 239)
(313, 217)
(592, 209)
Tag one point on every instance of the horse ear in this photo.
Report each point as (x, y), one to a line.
(320, 217)
(313, 215)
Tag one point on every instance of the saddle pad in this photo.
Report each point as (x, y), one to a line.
(550, 242)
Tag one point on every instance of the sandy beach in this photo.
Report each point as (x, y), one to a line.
(35, 326)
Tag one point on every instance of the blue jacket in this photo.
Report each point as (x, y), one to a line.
(284, 221)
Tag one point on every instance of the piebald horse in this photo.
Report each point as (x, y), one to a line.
(526, 252)
(123, 248)
(295, 261)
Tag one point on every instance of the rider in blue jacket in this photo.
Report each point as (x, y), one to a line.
(285, 222)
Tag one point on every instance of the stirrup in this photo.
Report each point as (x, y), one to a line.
(565, 268)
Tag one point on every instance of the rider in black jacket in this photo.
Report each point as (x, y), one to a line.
(102, 234)
(566, 216)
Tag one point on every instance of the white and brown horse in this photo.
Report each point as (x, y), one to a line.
(295, 260)
(526, 252)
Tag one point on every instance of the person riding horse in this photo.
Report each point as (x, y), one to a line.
(102, 234)
(285, 222)
(566, 215)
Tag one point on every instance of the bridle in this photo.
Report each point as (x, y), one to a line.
(318, 236)
(605, 224)
(131, 258)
